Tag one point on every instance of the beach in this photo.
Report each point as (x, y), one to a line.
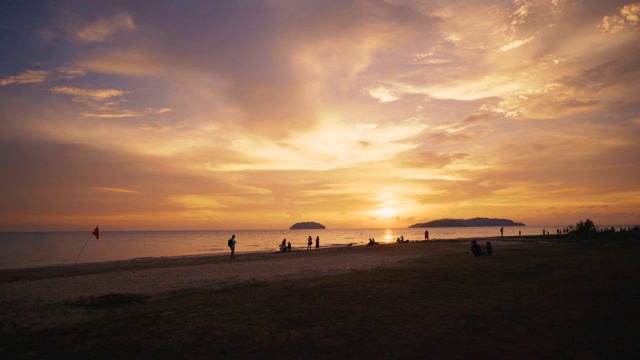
(155, 276)
(44, 299)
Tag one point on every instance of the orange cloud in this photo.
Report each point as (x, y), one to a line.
(26, 77)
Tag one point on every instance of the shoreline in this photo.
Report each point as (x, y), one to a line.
(55, 266)
(39, 297)
(158, 276)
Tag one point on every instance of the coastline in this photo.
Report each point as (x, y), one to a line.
(61, 248)
(68, 269)
(34, 289)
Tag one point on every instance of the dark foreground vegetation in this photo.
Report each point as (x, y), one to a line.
(575, 300)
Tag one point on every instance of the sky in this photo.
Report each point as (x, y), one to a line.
(257, 114)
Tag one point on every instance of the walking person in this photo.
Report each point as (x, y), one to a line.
(309, 242)
(317, 242)
(232, 245)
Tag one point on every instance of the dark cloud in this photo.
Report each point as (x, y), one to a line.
(616, 72)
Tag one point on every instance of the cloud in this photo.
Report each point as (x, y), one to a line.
(630, 12)
(320, 109)
(105, 103)
(117, 190)
(607, 85)
(125, 113)
(514, 44)
(99, 94)
(26, 77)
(138, 62)
(71, 73)
(103, 29)
(427, 159)
(97, 183)
(628, 18)
(156, 111)
(384, 94)
(122, 114)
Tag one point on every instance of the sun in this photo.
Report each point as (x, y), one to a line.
(386, 212)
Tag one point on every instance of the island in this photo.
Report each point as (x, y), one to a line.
(307, 225)
(467, 223)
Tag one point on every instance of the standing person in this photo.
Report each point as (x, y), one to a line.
(317, 242)
(309, 242)
(502, 231)
(426, 234)
(232, 245)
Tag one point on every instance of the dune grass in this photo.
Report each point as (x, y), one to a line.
(575, 300)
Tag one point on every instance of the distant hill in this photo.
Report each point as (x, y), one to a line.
(307, 225)
(468, 222)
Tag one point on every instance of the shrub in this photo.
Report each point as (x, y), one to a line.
(585, 226)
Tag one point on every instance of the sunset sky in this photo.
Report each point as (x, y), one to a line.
(159, 115)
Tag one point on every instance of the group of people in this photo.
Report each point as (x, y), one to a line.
(286, 246)
(310, 242)
(477, 250)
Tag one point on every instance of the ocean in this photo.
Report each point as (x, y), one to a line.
(37, 249)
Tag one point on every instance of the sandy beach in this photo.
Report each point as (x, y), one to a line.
(29, 291)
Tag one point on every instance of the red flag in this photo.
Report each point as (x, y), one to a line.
(96, 233)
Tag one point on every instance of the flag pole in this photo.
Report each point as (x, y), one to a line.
(94, 233)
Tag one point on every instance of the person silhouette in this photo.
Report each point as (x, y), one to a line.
(317, 242)
(475, 249)
(502, 231)
(232, 245)
(426, 234)
(488, 249)
(309, 242)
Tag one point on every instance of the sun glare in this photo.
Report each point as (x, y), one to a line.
(387, 212)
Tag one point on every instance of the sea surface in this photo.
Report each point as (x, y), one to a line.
(37, 249)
